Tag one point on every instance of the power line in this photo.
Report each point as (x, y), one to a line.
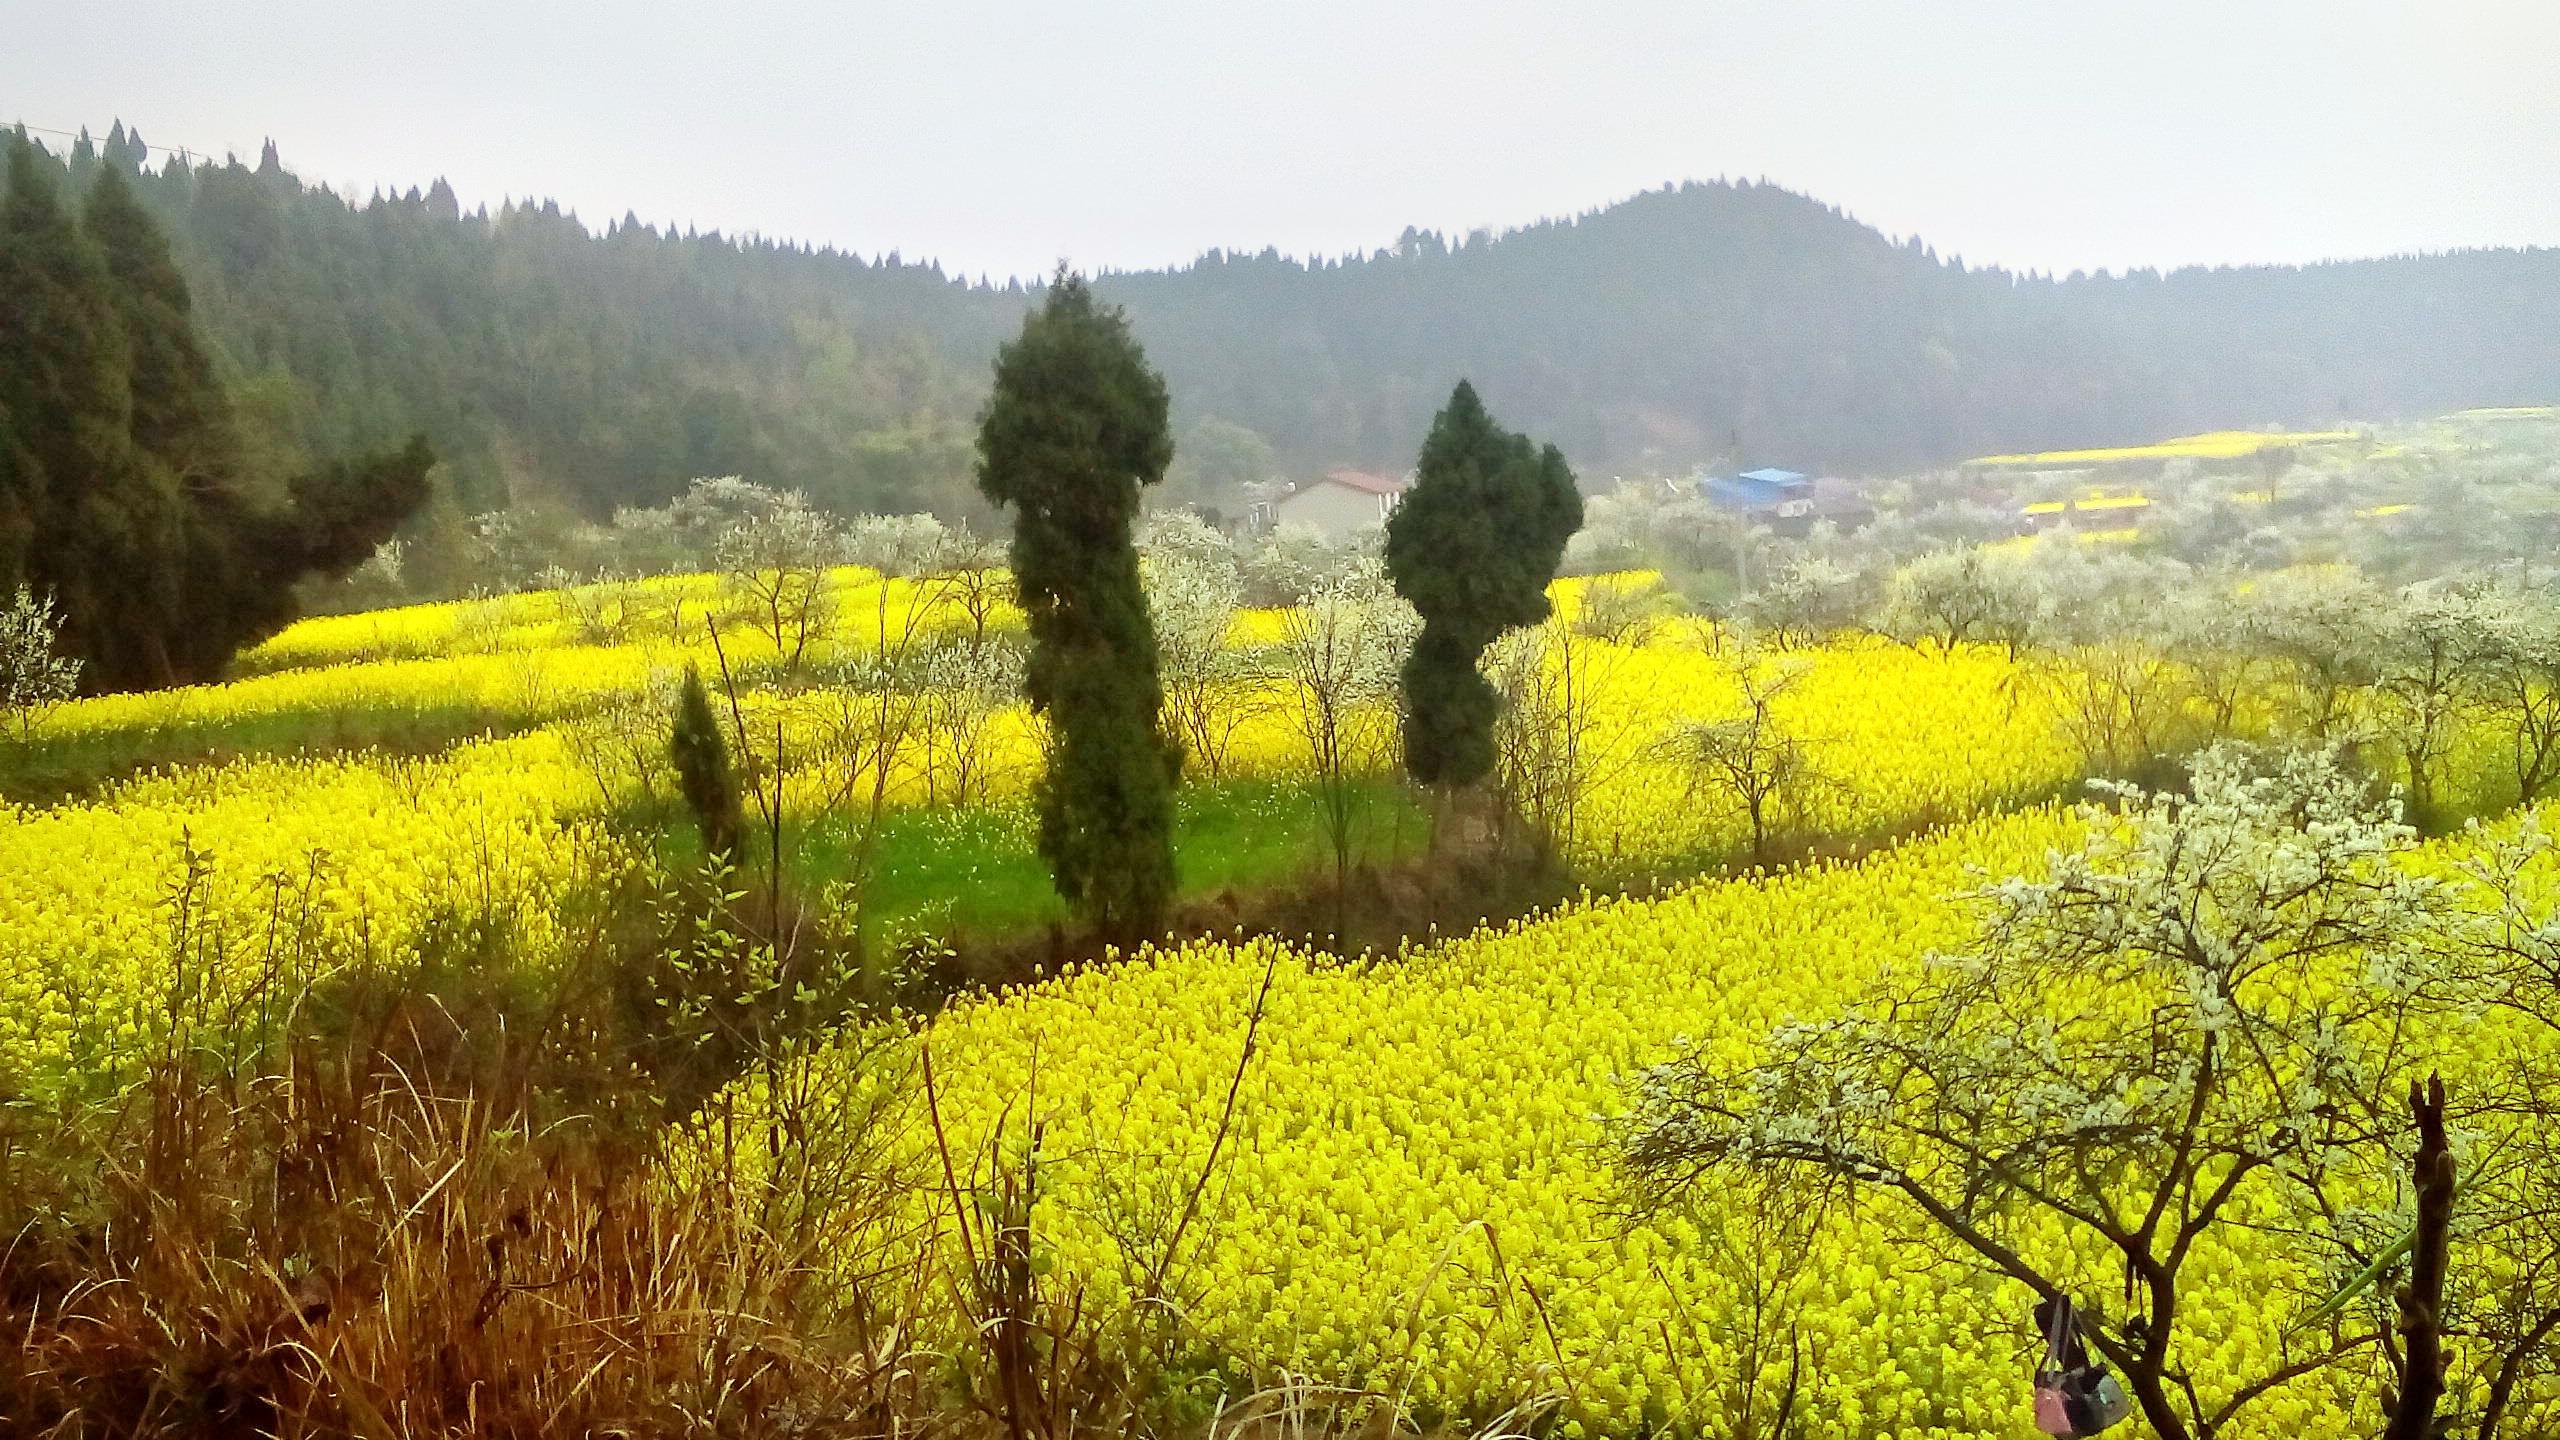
(183, 152)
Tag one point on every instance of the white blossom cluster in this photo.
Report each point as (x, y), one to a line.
(2179, 1018)
(33, 679)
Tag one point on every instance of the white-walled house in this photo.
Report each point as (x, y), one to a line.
(1340, 503)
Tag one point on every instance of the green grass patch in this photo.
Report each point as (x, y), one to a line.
(977, 872)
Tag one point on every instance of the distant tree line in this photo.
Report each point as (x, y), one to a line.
(556, 365)
(559, 370)
(129, 504)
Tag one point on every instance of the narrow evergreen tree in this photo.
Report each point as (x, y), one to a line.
(1472, 547)
(703, 772)
(1076, 426)
(124, 149)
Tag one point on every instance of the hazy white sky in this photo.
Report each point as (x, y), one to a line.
(2053, 134)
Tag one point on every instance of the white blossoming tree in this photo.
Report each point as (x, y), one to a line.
(898, 545)
(1970, 593)
(1195, 583)
(2428, 646)
(774, 568)
(33, 678)
(2097, 658)
(2514, 673)
(2318, 627)
(1808, 598)
(2196, 1025)
(1285, 564)
(1339, 652)
(2503, 945)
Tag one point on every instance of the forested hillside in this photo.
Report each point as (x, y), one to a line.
(549, 363)
(1688, 322)
(555, 364)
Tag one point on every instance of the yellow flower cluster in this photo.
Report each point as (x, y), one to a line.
(2212, 445)
(1900, 737)
(525, 620)
(1894, 736)
(1417, 1195)
(666, 609)
(1417, 1192)
(515, 659)
(505, 686)
(303, 863)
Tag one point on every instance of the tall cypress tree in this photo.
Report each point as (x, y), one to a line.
(124, 149)
(1472, 547)
(1075, 428)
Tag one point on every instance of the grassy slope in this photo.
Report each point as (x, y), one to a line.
(975, 871)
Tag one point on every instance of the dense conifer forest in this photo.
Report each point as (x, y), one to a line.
(555, 363)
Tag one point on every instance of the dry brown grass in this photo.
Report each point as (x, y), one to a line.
(467, 1194)
(351, 1244)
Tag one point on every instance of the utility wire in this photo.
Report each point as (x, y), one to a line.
(185, 153)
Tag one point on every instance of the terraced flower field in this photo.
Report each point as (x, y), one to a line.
(556, 734)
(1419, 1196)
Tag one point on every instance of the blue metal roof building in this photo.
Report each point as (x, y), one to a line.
(1758, 490)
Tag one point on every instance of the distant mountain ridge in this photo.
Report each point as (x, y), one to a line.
(1698, 322)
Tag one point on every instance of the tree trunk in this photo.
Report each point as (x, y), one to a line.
(2152, 1399)
(1467, 821)
(2422, 1299)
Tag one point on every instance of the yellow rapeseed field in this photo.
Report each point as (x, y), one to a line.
(343, 858)
(1896, 736)
(1899, 737)
(2212, 445)
(1418, 1197)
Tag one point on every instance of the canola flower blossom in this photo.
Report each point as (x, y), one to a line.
(1417, 1197)
(1419, 1170)
(2212, 445)
(1904, 737)
(1914, 737)
(347, 856)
